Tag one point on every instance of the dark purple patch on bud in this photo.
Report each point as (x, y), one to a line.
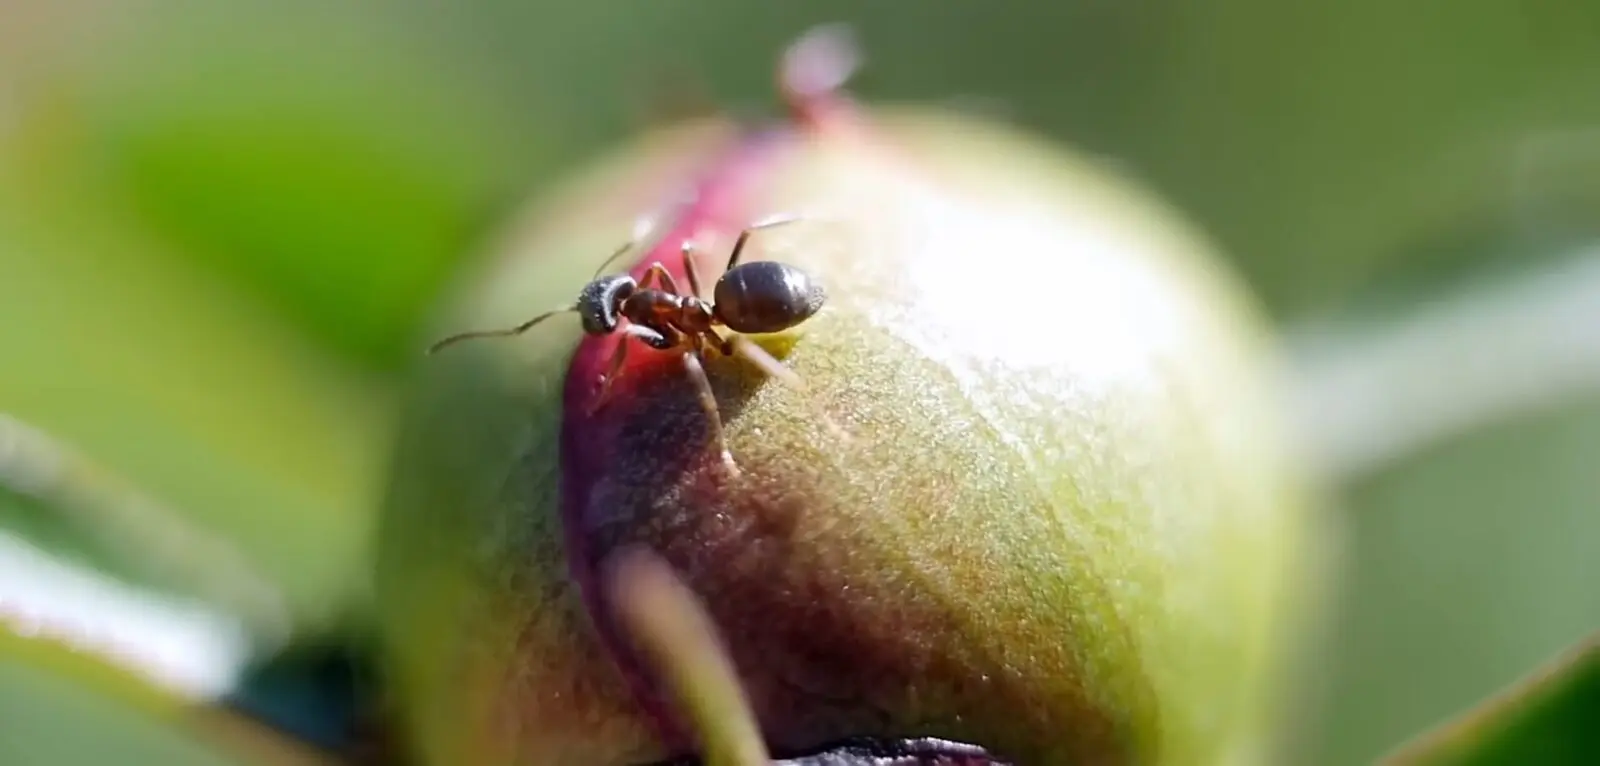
(592, 446)
(598, 446)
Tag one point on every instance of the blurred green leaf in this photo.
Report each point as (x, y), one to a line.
(69, 503)
(176, 381)
(328, 162)
(1469, 564)
(61, 707)
(205, 199)
(1547, 717)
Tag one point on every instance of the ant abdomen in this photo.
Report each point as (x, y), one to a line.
(766, 296)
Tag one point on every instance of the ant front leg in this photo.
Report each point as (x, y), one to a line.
(658, 274)
(669, 339)
(651, 338)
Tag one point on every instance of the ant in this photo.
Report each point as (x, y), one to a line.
(754, 297)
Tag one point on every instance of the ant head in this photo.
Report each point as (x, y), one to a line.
(598, 306)
(600, 301)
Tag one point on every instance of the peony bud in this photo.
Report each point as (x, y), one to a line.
(1032, 496)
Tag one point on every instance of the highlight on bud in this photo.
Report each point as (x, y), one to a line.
(1066, 526)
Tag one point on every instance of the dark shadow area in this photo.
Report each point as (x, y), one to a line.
(324, 696)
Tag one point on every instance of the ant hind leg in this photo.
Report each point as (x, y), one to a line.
(741, 346)
(744, 347)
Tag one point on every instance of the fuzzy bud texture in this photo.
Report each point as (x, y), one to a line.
(1033, 496)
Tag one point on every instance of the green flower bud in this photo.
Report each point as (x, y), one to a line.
(1034, 494)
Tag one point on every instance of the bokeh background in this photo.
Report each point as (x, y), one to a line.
(223, 226)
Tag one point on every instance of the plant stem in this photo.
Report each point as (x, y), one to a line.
(668, 624)
(142, 532)
(1370, 394)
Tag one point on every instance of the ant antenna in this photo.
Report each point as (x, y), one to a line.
(641, 227)
(518, 330)
(611, 259)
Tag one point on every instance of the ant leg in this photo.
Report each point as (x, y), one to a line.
(697, 375)
(744, 236)
(769, 364)
(612, 371)
(741, 346)
(708, 400)
(715, 340)
(659, 274)
(652, 338)
(688, 268)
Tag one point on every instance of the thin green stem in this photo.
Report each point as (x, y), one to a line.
(139, 530)
(668, 624)
(1371, 393)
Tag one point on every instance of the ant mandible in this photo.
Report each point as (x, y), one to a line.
(754, 297)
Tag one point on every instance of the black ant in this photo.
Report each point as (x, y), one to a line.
(755, 297)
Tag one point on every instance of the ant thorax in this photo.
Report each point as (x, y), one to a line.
(696, 316)
(663, 309)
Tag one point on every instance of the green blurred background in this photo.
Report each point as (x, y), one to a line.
(223, 225)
